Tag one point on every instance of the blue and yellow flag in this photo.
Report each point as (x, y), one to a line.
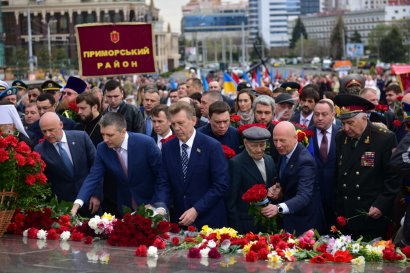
(229, 83)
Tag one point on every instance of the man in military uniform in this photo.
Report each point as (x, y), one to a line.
(366, 186)
(52, 88)
(352, 84)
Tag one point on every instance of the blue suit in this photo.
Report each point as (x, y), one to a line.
(296, 119)
(82, 153)
(144, 160)
(205, 185)
(230, 139)
(326, 174)
(301, 193)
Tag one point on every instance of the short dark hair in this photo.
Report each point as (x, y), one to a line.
(161, 108)
(197, 82)
(90, 98)
(113, 119)
(218, 107)
(46, 96)
(181, 105)
(393, 87)
(173, 90)
(196, 96)
(310, 91)
(111, 85)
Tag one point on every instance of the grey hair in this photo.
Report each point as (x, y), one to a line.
(264, 100)
(374, 90)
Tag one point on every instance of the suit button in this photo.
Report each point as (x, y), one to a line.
(345, 174)
(357, 186)
(345, 197)
(344, 185)
(358, 198)
(357, 173)
(184, 196)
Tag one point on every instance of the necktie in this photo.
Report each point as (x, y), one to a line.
(323, 146)
(305, 122)
(66, 159)
(184, 159)
(121, 160)
(148, 126)
(282, 166)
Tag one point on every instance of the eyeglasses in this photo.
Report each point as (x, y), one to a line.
(67, 93)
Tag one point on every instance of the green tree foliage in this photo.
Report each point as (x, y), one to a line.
(297, 31)
(356, 37)
(375, 36)
(336, 39)
(391, 47)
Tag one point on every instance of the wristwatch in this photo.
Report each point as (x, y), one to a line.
(280, 209)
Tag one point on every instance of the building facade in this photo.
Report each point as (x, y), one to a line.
(55, 20)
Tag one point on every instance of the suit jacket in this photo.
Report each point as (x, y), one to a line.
(205, 185)
(296, 118)
(68, 124)
(133, 116)
(230, 139)
(144, 160)
(243, 175)
(82, 152)
(301, 193)
(364, 179)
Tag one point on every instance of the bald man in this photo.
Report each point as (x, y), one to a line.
(69, 156)
(297, 191)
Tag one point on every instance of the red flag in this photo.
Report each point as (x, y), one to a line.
(266, 73)
(277, 74)
(235, 77)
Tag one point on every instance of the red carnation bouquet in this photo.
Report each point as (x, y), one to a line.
(257, 198)
(229, 153)
(21, 171)
(243, 127)
(72, 111)
(235, 119)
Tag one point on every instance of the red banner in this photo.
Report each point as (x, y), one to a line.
(115, 49)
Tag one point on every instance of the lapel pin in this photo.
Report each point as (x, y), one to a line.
(198, 150)
(73, 143)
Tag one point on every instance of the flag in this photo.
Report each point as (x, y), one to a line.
(285, 74)
(235, 78)
(258, 77)
(302, 74)
(204, 83)
(173, 84)
(229, 83)
(272, 74)
(245, 77)
(266, 73)
(61, 78)
(277, 74)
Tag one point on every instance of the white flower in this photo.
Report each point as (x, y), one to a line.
(152, 251)
(226, 244)
(204, 252)
(25, 233)
(42, 234)
(358, 261)
(355, 248)
(92, 256)
(211, 244)
(65, 235)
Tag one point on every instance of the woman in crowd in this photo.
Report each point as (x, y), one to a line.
(243, 105)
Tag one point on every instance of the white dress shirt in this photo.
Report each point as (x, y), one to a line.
(159, 138)
(283, 205)
(307, 119)
(190, 143)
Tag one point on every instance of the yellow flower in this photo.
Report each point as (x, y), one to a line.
(289, 254)
(358, 261)
(228, 261)
(107, 216)
(247, 247)
(274, 257)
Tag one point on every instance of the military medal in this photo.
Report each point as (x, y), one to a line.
(367, 159)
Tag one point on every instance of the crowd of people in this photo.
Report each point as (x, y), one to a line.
(122, 144)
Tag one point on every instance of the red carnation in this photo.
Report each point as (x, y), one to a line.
(4, 155)
(301, 136)
(175, 241)
(11, 140)
(141, 251)
(194, 253)
(191, 228)
(229, 153)
(255, 194)
(390, 254)
(174, 228)
(342, 256)
(30, 179)
(23, 148)
(263, 253)
(322, 248)
(406, 251)
(88, 240)
(309, 133)
(77, 236)
(214, 253)
(399, 98)
(243, 127)
(163, 226)
(52, 234)
(235, 118)
(158, 243)
(318, 260)
(21, 161)
(32, 233)
(341, 221)
(73, 106)
(251, 256)
(397, 123)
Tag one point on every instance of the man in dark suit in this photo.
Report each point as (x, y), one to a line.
(248, 168)
(324, 152)
(365, 182)
(69, 156)
(219, 126)
(299, 198)
(308, 98)
(194, 173)
(47, 103)
(132, 158)
(161, 122)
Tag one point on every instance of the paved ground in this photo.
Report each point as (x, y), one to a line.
(31, 256)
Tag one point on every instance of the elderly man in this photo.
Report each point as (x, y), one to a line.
(194, 173)
(219, 126)
(373, 95)
(73, 88)
(366, 186)
(299, 198)
(248, 168)
(69, 156)
(284, 107)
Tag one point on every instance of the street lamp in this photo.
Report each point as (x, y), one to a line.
(49, 43)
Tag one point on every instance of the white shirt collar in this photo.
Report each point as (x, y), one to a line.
(64, 138)
(328, 130)
(124, 144)
(289, 155)
(308, 118)
(190, 141)
(167, 135)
